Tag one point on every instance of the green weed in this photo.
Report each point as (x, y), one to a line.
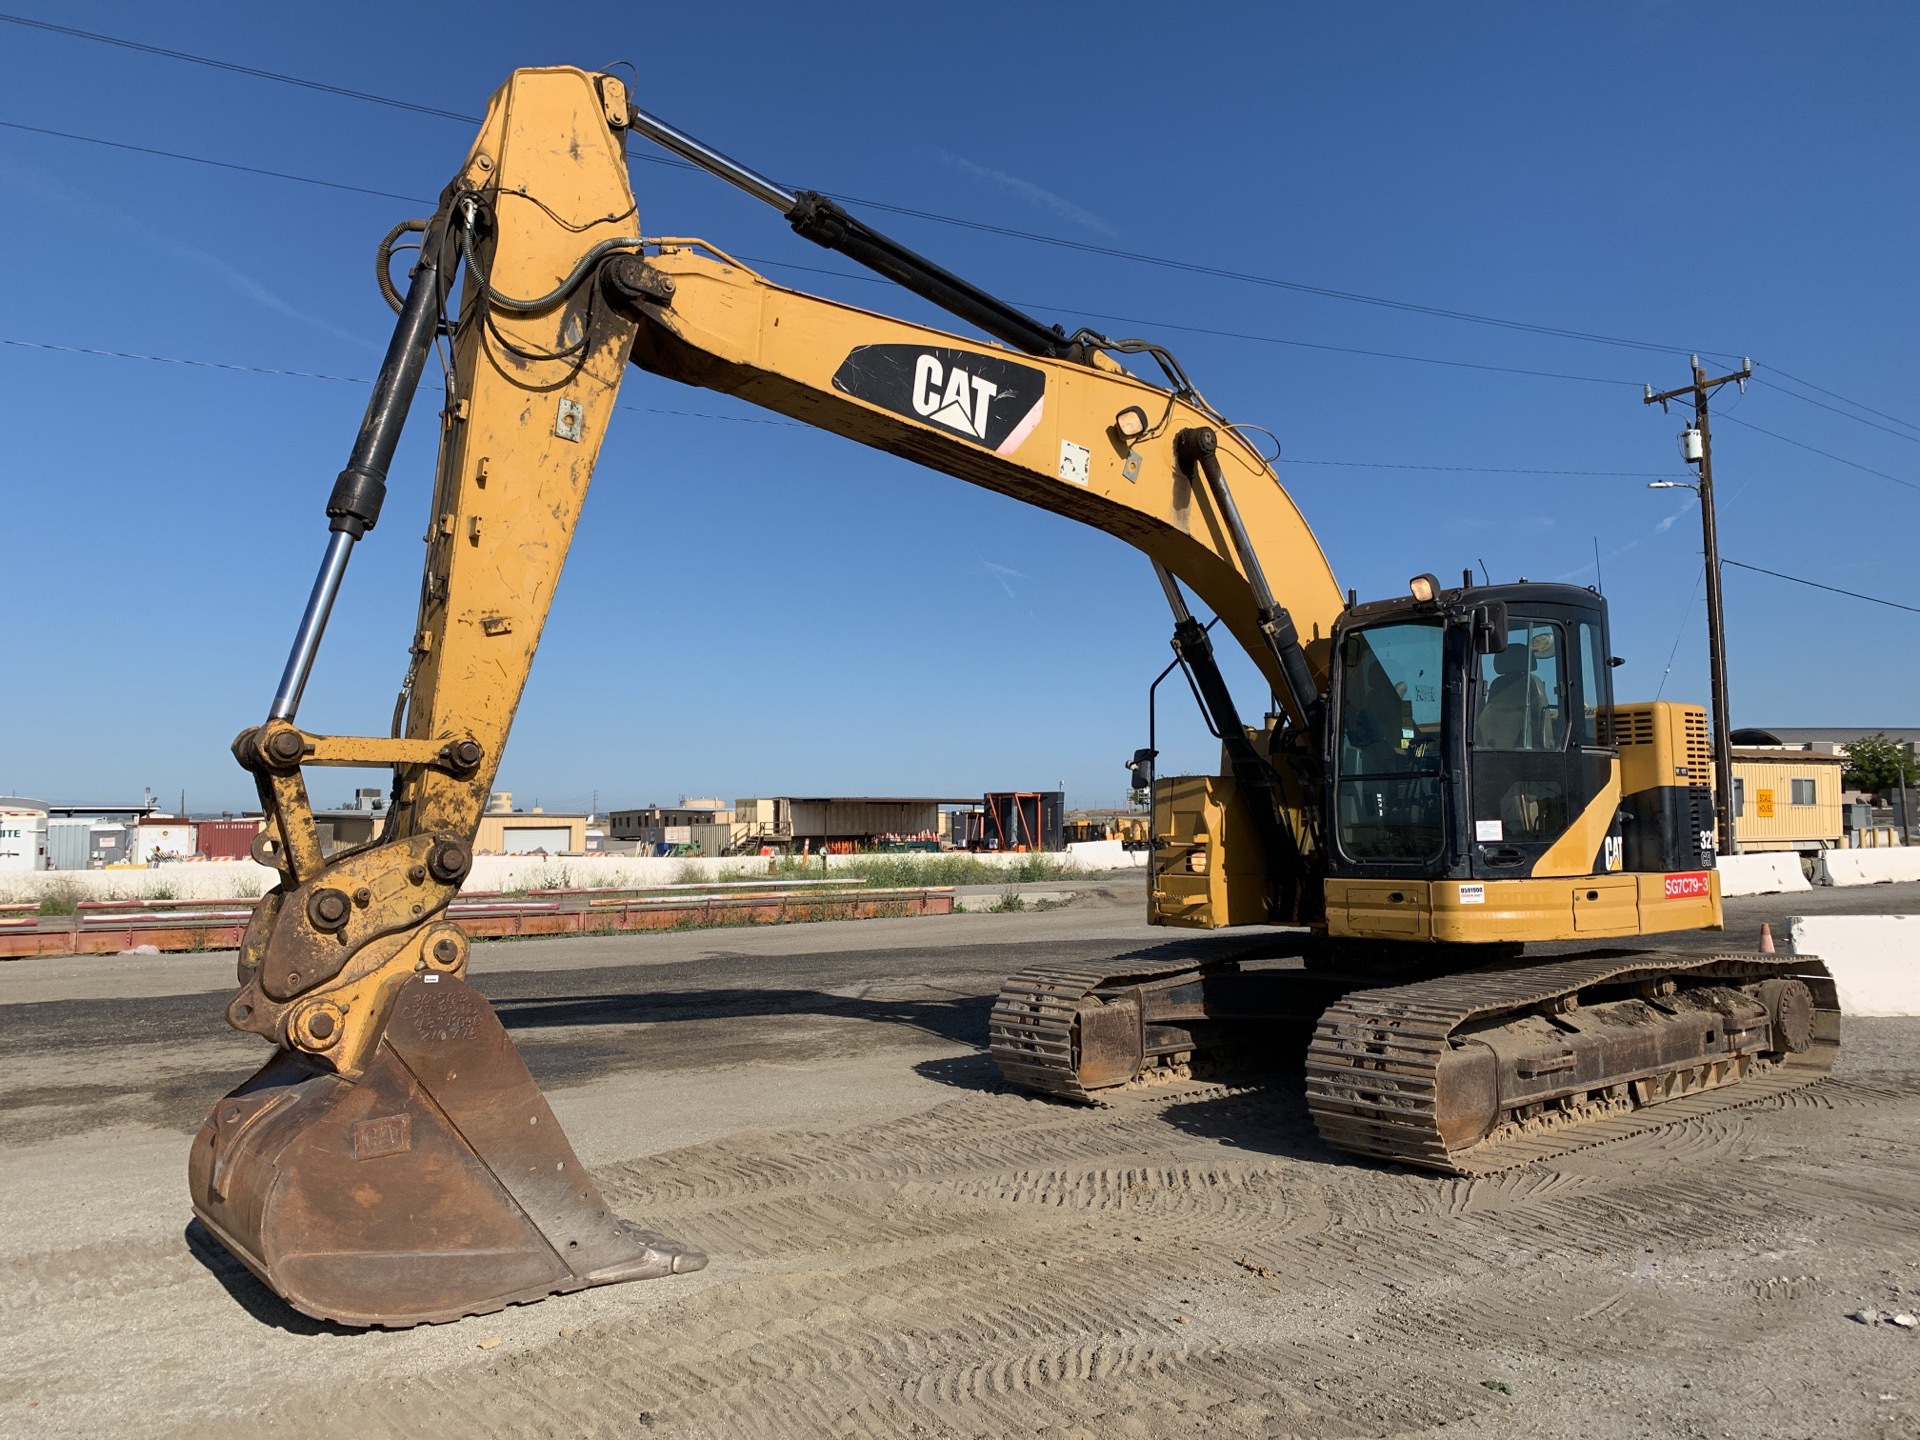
(62, 897)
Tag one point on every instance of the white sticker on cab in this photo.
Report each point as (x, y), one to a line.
(1488, 830)
(1473, 894)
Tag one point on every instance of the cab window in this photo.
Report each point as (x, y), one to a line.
(1520, 694)
(1596, 686)
(1387, 788)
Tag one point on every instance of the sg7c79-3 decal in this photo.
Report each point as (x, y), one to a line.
(982, 398)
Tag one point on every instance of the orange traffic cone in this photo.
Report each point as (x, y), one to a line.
(1766, 938)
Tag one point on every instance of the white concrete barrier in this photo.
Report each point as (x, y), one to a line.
(1106, 855)
(1869, 867)
(188, 880)
(244, 880)
(1769, 873)
(1874, 959)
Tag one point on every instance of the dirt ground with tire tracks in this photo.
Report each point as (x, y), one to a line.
(900, 1246)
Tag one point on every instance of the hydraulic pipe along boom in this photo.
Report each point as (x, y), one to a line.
(354, 507)
(824, 221)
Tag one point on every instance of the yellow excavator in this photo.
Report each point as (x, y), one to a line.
(1441, 776)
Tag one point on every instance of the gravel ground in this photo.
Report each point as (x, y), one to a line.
(902, 1247)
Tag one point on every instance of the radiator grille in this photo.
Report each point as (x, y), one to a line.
(1699, 753)
(1629, 725)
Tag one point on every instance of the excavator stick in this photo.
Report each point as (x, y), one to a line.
(394, 1163)
(435, 1185)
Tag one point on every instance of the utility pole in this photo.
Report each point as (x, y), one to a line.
(1696, 447)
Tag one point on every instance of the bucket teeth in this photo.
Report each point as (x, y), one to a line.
(438, 1184)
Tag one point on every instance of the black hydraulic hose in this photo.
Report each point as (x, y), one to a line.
(827, 224)
(824, 222)
(383, 261)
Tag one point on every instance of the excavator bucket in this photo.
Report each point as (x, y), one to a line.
(434, 1185)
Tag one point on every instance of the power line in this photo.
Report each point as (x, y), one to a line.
(1340, 349)
(874, 279)
(1681, 633)
(1838, 396)
(742, 419)
(216, 164)
(798, 425)
(1836, 410)
(347, 379)
(1031, 236)
(237, 69)
(181, 360)
(1827, 454)
(1151, 325)
(1483, 469)
(1815, 584)
(1027, 235)
(1245, 277)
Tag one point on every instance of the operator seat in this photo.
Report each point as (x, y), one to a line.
(1514, 715)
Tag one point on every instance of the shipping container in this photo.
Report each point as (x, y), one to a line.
(230, 839)
(69, 844)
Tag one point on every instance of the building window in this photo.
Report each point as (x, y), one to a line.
(1739, 796)
(1803, 792)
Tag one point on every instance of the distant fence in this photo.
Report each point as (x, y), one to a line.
(111, 926)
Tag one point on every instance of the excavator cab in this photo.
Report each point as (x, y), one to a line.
(1473, 778)
(1505, 685)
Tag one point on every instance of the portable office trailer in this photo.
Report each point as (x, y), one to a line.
(170, 836)
(1787, 799)
(23, 835)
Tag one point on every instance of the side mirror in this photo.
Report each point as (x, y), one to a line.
(1141, 767)
(1490, 628)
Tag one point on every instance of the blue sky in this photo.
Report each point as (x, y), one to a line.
(755, 608)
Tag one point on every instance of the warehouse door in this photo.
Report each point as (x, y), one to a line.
(525, 839)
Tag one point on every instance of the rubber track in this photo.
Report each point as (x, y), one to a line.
(1372, 1064)
(1030, 1031)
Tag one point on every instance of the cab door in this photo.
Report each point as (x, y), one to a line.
(1537, 751)
(1522, 788)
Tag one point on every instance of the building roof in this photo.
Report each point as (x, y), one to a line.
(1838, 734)
(76, 810)
(1787, 755)
(872, 799)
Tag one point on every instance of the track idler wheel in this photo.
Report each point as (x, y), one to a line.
(435, 1185)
